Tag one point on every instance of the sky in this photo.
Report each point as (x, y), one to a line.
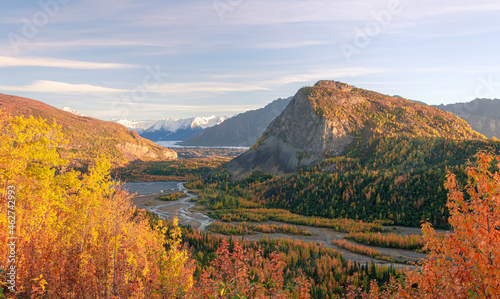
(152, 59)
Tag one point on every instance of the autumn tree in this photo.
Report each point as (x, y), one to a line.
(77, 235)
(243, 274)
(465, 263)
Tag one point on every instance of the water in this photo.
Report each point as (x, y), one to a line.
(168, 210)
(146, 188)
(175, 144)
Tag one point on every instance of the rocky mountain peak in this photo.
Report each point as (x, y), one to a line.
(334, 85)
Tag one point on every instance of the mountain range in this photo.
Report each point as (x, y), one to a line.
(171, 129)
(482, 114)
(334, 151)
(88, 137)
(246, 128)
(240, 130)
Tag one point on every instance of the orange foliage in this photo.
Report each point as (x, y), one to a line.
(265, 214)
(361, 250)
(242, 229)
(77, 235)
(240, 274)
(465, 263)
(410, 242)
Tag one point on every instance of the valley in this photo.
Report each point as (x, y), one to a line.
(179, 208)
(233, 149)
(356, 178)
(183, 210)
(207, 152)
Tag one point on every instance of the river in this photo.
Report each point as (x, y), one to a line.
(146, 199)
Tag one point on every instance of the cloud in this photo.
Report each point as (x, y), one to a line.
(291, 44)
(320, 75)
(457, 7)
(260, 12)
(115, 42)
(205, 87)
(62, 88)
(58, 63)
(430, 15)
(148, 110)
(199, 108)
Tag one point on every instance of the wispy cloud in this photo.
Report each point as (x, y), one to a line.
(260, 50)
(291, 44)
(125, 41)
(260, 12)
(254, 83)
(430, 7)
(201, 108)
(320, 75)
(205, 87)
(45, 86)
(59, 63)
(429, 14)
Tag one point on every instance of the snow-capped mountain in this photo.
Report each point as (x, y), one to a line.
(240, 130)
(172, 129)
(173, 125)
(73, 111)
(138, 126)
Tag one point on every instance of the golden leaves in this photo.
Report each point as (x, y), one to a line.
(77, 235)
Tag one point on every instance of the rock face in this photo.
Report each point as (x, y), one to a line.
(274, 156)
(135, 152)
(325, 120)
(241, 130)
(489, 127)
(482, 114)
(303, 128)
(89, 137)
(299, 136)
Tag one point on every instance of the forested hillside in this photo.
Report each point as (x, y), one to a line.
(89, 138)
(357, 154)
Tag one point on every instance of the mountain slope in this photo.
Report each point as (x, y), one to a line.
(482, 114)
(241, 130)
(324, 120)
(89, 137)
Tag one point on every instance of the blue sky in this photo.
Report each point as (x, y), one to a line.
(153, 59)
